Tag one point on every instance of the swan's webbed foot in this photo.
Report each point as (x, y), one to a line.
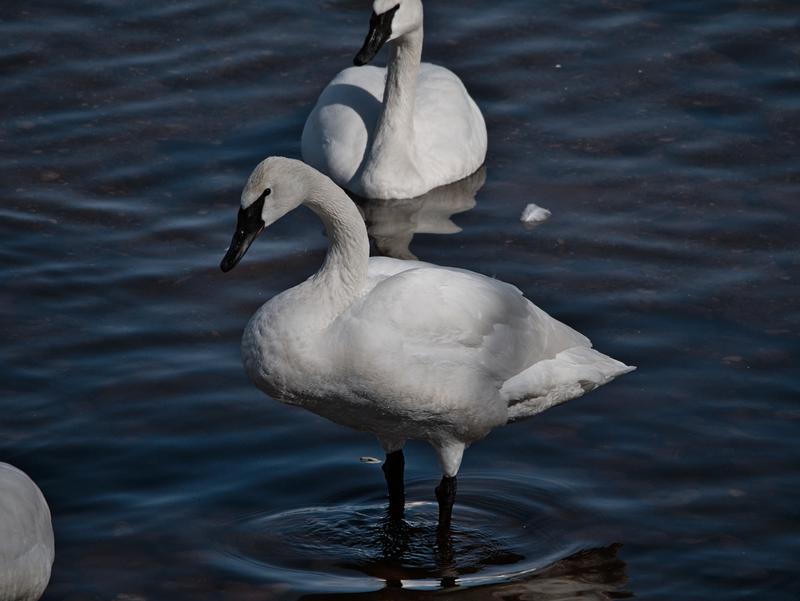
(446, 496)
(393, 469)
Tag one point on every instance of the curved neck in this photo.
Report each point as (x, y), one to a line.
(343, 275)
(394, 133)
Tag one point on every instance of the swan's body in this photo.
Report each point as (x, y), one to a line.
(26, 537)
(401, 349)
(400, 131)
(421, 352)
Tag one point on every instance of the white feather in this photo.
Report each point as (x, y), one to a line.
(26, 537)
(534, 214)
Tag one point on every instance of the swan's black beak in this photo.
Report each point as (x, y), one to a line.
(248, 225)
(380, 30)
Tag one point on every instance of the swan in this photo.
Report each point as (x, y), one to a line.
(401, 349)
(26, 537)
(395, 132)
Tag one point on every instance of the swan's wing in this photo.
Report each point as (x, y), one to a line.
(446, 119)
(451, 316)
(337, 130)
(439, 347)
(570, 374)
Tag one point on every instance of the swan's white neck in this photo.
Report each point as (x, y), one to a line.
(343, 275)
(393, 143)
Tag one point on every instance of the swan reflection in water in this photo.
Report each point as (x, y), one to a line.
(392, 223)
(502, 546)
(595, 574)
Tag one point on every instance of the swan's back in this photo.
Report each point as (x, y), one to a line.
(26, 537)
(486, 334)
(463, 310)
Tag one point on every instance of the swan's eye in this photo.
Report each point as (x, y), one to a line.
(267, 192)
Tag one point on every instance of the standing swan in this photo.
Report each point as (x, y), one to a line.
(399, 131)
(401, 349)
(26, 537)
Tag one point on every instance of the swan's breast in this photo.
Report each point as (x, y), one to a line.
(280, 351)
(337, 131)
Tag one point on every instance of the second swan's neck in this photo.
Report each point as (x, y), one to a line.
(343, 275)
(394, 134)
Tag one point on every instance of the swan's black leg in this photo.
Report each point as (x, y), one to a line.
(393, 469)
(446, 495)
(444, 556)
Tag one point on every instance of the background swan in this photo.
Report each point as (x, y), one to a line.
(26, 537)
(399, 131)
(402, 349)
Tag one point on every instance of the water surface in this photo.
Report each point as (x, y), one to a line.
(663, 136)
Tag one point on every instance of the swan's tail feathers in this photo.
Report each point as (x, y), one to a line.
(570, 374)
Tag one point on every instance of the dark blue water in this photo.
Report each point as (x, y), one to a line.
(664, 137)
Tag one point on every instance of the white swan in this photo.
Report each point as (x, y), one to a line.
(26, 537)
(401, 349)
(400, 131)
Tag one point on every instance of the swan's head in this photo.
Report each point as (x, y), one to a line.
(276, 186)
(390, 20)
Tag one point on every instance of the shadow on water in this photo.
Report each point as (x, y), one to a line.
(392, 224)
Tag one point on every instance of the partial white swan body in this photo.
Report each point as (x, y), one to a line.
(401, 349)
(400, 131)
(26, 537)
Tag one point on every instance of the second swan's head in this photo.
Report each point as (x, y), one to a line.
(276, 186)
(390, 20)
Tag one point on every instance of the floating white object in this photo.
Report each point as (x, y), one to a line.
(400, 131)
(401, 349)
(369, 460)
(26, 537)
(534, 214)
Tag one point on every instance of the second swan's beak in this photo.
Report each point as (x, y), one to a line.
(380, 30)
(249, 224)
